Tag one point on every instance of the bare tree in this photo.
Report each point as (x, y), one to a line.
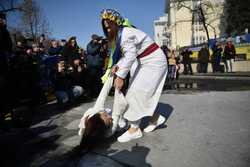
(200, 12)
(33, 22)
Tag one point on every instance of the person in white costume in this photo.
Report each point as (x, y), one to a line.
(148, 78)
(131, 50)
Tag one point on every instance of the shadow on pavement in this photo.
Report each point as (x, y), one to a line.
(163, 109)
(104, 155)
(135, 157)
(47, 111)
(19, 149)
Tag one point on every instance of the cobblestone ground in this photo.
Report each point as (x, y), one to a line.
(202, 129)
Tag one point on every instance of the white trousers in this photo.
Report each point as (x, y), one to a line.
(229, 65)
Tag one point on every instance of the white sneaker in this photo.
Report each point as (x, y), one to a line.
(152, 127)
(125, 137)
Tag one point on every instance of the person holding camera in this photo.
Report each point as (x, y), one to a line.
(94, 63)
(66, 87)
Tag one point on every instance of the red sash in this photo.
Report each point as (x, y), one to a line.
(148, 50)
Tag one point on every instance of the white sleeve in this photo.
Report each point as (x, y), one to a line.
(119, 107)
(129, 56)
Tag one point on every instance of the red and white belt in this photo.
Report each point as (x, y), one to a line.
(150, 49)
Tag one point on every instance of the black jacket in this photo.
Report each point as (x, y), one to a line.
(203, 55)
(70, 54)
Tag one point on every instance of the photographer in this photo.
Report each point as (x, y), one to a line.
(95, 63)
(67, 86)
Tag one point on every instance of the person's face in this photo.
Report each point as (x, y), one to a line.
(111, 28)
(2, 22)
(73, 42)
(35, 49)
(62, 43)
(19, 43)
(106, 118)
(95, 41)
(54, 44)
(42, 38)
(29, 52)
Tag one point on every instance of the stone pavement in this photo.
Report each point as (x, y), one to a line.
(208, 129)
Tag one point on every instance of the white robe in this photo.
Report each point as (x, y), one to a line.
(148, 78)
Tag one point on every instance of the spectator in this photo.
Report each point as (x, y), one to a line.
(95, 63)
(54, 49)
(62, 43)
(65, 88)
(166, 50)
(41, 41)
(229, 55)
(172, 65)
(216, 57)
(203, 58)
(70, 52)
(186, 59)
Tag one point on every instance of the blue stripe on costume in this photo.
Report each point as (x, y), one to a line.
(117, 53)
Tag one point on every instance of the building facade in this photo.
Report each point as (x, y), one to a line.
(160, 31)
(184, 25)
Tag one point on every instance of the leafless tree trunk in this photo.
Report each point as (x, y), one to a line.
(32, 20)
(203, 20)
(199, 10)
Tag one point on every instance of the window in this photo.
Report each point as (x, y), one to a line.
(204, 39)
(201, 38)
(162, 23)
(165, 42)
(200, 28)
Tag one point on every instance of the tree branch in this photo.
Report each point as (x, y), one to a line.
(11, 9)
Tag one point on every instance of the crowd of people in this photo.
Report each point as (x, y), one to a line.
(33, 73)
(182, 60)
(219, 54)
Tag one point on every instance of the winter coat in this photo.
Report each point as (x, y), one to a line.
(54, 51)
(203, 55)
(186, 56)
(70, 54)
(94, 58)
(229, 52)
